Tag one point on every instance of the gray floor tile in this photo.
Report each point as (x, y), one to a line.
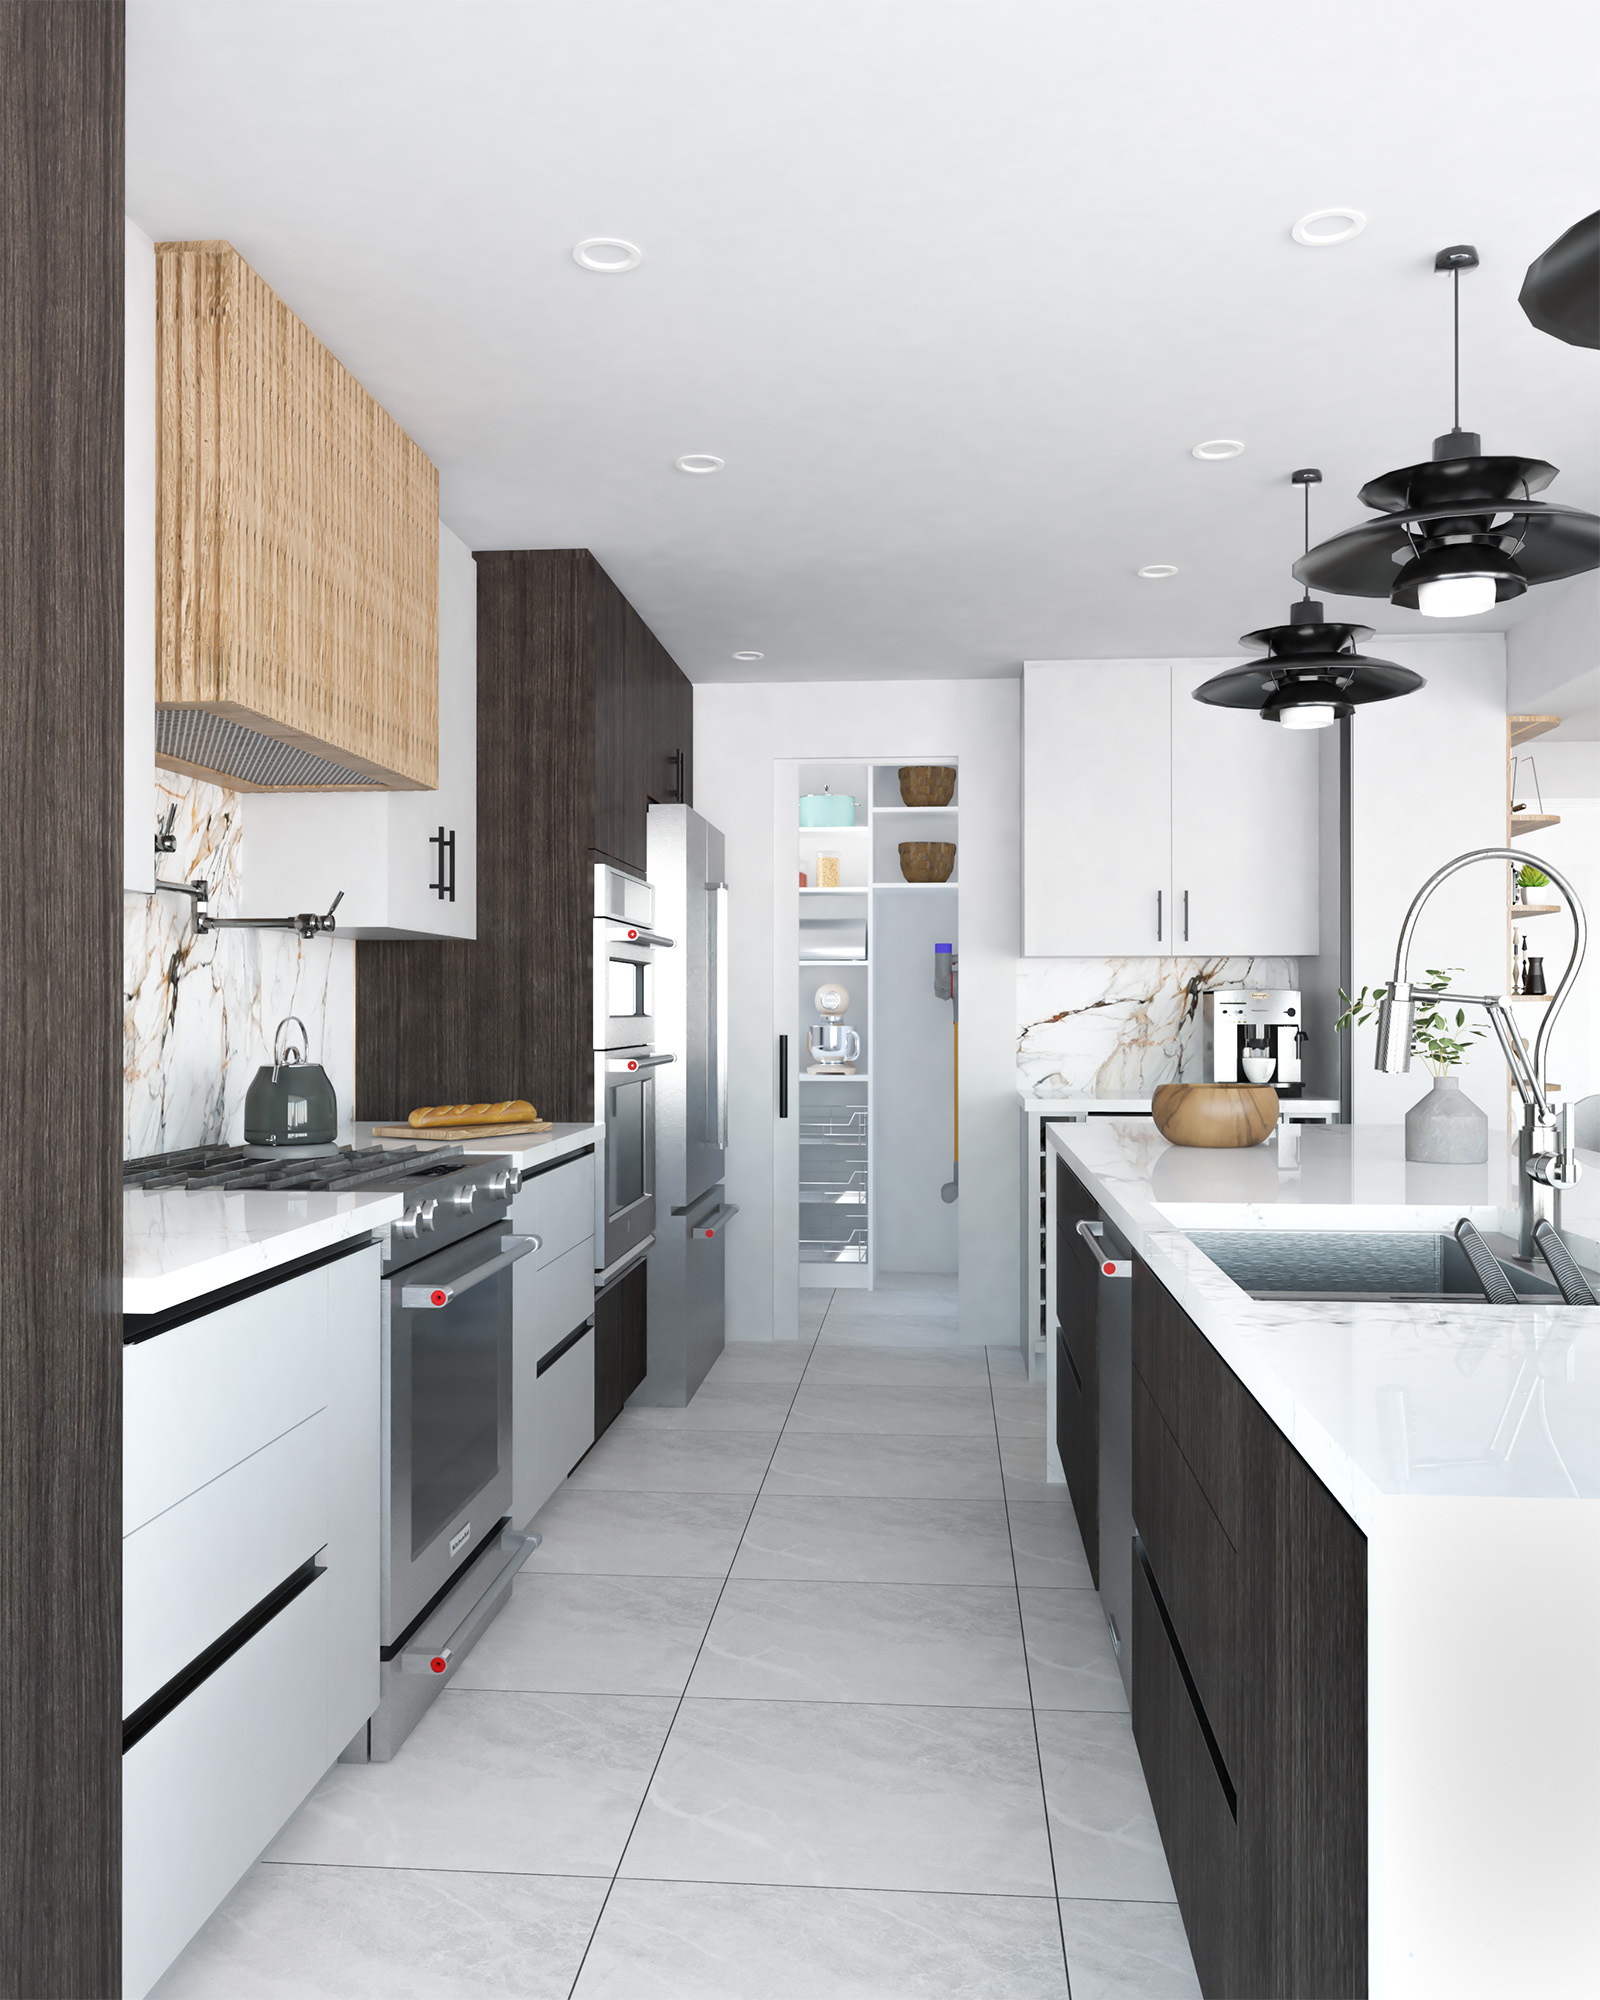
(876, 1541)
(594, 1635)
(1070, 1661)
(1006, 1364)
(846, 1795)
(1045, 1541)
(760, 1361)
(1019, 1410)
(636, 1456)
(921, 1643)
(537, 1784)
(390, 1934)
(1102, 1829)
(723, 1406)
(1128, 1951)
(638, 1534)
(896, 1365)
(913, 1468)
(911, 1410)
(724, 1941)
(1024, 1461)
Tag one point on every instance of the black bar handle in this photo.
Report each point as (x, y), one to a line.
(783, 1076)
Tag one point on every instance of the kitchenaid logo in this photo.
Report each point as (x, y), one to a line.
(460, 1539)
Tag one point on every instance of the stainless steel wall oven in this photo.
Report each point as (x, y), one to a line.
(625, 1064)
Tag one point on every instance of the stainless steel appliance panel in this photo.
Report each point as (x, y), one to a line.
(687, 860)
(625, 1084)
(685, 1302)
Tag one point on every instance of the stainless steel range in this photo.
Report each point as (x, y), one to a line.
(448, 1550)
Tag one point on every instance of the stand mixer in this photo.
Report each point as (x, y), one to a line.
(832, 1047)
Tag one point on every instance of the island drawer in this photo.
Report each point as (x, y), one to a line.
(1205, 1405)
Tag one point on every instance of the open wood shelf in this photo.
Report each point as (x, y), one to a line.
(1534, 909)
(1524, 728)
(1530, 823)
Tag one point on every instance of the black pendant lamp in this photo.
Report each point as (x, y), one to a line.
(1561, 293)
(1313, 674)
(1461, 533)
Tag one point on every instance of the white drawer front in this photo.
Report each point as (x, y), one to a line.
(213, 1782)
(563, 1421)
(563, 1295)
(198, 1568)
(206, 1394)
(558, 1206)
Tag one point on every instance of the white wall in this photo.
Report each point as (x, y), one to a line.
(913, 1127)
(740, 732)
(1428, 782)
(1553, 655)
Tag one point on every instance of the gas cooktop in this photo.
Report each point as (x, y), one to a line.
(234, 1167)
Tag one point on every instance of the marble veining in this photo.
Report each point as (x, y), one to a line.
(199, 1013)
(1382, 1399)
(1117, 1027)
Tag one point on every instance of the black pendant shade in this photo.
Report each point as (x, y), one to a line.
(1310, 664)
(1460, 532)
(1561, 293)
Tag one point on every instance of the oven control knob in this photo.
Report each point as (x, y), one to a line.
(416, 1220)
(504, 1186)
(462, 1198)
(427, 1216)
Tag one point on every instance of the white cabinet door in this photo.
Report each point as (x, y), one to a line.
(381, 848)
(1097, 809)
(1244, 828)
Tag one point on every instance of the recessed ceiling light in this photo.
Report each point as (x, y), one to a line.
(1154, 571)
(607, 253)
(1339, 225)
(749, 656)
(1211, 448)
(699, 461)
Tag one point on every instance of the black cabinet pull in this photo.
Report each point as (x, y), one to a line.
(677, 777)
(444, 883)
(783, 1076)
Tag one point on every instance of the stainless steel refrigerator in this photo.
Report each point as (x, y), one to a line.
(685, 1329)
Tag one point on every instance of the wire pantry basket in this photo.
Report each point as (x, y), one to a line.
(841, 1185)
(847, 1248)
(839, 1125)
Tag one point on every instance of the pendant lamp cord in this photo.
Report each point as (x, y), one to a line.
(1306, 494)
(1455, 287)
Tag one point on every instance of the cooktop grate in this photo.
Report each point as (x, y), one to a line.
(233, 1169)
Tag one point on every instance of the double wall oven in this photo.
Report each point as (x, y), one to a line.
(625, 1066)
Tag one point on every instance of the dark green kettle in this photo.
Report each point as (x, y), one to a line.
(291, 1102)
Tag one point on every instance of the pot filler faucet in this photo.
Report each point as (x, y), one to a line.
(1546, 1161)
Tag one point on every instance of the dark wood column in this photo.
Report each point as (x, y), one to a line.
(61, 362)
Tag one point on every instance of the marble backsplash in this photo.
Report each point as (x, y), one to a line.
(199, 1013)
(1116, 1027)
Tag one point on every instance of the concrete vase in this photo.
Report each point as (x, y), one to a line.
(1446, 1129)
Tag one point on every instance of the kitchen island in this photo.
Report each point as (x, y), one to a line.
(1365, 1573)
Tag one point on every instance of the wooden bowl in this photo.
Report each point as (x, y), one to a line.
(1215, 1114)
(927, 860)
(927, 785)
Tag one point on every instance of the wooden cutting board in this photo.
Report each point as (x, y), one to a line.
(422, 1133)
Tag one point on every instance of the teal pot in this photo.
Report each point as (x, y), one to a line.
(1446, 1129)
(827, 808)
(290, 1104)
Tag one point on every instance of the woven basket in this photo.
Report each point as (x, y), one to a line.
(927, 860)
(927, 784)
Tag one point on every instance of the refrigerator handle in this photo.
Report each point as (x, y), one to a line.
(719, 1000)
(783, 1076)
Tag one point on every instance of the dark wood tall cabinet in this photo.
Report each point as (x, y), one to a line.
(1249, 1674)
(1078, 1359)
(583, 720)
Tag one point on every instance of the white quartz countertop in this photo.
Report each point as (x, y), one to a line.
(1384, 1401)
(177, 1246)
(1060, 1104)
(528, 1153)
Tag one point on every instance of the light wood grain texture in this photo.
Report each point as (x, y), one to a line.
(1524, 728)
(1214, 1114)
(297, 533)
(452, 1132)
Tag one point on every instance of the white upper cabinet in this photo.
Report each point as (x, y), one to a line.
(390, 852)
(1244, 828)
(1097, 808)
(1155, 826)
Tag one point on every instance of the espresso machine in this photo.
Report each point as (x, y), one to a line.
(1252, 1034)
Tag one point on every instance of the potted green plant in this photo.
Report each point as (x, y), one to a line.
(1445, 1128)
(1528, 877)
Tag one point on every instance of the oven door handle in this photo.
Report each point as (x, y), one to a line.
(432, 1297)
(626, 1065)
(633, 935)
(516, 1549)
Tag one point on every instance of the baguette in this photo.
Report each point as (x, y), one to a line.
(510, 1111)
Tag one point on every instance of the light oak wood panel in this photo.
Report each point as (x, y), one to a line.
(297, 548)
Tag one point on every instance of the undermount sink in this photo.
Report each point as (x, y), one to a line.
(1359, 1264)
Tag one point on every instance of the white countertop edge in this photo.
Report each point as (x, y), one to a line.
(1237, 1325)
(1065, 1103)
(211, 1270)
(527, 1153)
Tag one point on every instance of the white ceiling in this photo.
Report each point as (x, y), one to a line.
(953, 288)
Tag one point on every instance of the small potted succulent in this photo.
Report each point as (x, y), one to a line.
(1445, 1128)
(1525, 878)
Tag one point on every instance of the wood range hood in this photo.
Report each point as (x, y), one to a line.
(297, 551)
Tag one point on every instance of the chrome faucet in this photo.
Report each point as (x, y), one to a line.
(1546, 1161)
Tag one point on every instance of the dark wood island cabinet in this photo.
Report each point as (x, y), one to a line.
(1249, 1674)
(1078, 1359)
